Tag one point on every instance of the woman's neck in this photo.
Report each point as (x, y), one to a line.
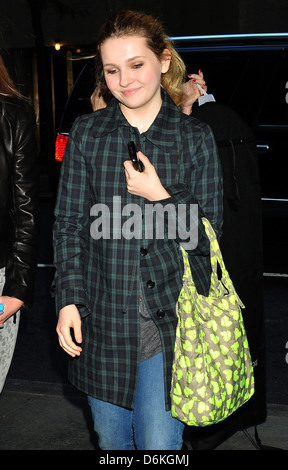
(143, 117)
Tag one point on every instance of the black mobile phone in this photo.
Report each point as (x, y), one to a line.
(137, 164)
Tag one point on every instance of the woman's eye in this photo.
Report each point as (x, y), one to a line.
(137, 66)
(112, 71)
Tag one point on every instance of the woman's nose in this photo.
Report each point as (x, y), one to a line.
(125, 79)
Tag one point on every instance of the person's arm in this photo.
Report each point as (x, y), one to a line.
(205, 185)
(21, 263)
(204, 190)
(72, 215)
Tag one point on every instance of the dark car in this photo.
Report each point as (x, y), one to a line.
(249, 73)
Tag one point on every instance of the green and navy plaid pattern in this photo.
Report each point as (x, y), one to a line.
(102, 277)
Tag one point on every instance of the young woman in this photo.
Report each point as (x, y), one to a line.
(117, 287)
(18, 212)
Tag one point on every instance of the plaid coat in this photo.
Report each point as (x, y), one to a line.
(102, 276)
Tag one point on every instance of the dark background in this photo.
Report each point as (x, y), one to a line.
(28, 32)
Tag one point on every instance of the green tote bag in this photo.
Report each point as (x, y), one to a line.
(212, 373)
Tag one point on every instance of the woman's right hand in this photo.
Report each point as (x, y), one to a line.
(69, 318)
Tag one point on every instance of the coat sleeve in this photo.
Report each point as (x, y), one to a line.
(71, 217)
(24, 209)
(200, 194)
(201, 189)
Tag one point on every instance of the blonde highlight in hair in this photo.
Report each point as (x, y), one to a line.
(130, 23)
(173, 80)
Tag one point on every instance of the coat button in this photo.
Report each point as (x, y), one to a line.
(160, 313)
(150, 284)
(143, 251)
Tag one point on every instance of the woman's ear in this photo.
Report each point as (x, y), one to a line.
(165, 60)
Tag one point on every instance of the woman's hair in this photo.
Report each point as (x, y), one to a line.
(7, 86)
(130, 23)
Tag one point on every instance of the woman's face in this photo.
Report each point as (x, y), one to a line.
(132, 71)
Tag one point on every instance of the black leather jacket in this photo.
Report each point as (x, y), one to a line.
(18, 198)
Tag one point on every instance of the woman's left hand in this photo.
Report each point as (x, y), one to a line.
(11, 306)
(99, 98)
(145, 184)
(191, 91)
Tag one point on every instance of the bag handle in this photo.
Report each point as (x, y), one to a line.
(215, 252)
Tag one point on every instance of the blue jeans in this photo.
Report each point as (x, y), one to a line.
(148, 426)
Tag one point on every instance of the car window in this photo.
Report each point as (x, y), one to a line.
(252, 82)
(274, 109)
(79, 99)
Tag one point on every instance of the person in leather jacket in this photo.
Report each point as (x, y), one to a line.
(18, 213)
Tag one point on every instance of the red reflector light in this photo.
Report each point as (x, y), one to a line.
(60, 145)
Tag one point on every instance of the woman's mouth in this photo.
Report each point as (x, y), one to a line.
(130, 92)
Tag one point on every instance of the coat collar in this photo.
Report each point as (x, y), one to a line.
(166, 123)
